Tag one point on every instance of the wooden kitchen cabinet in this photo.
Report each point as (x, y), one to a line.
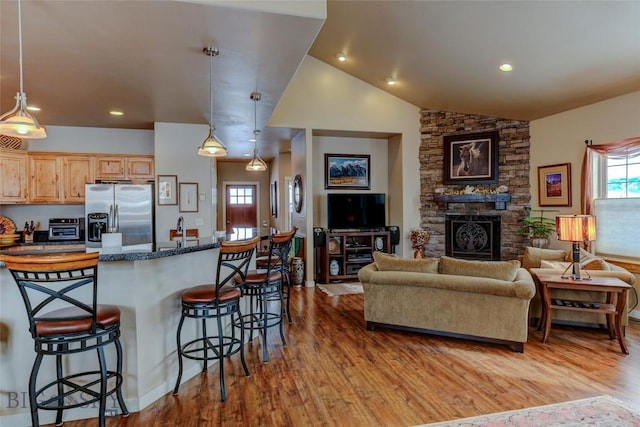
(124, 167)
(44, 178)
(13, 176)
(76, 172)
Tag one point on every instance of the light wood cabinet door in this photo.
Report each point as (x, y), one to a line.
(76, 172)
(13, 176)
(44, 183)
(111, 167)
(140, 167)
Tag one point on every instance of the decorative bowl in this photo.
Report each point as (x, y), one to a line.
(8, 239)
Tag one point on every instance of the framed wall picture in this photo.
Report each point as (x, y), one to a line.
(554, 185)
(167, 189)
(188, 197)
(348, 171)
(274, 199)
(471, 158)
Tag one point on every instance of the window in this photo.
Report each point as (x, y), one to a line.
(617, 205)
(241, 196)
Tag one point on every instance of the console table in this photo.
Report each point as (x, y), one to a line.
(348, 252)
(614, 288)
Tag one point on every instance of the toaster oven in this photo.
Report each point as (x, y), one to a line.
(64, 229)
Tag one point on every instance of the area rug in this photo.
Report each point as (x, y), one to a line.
(601, 411)
(336, 289)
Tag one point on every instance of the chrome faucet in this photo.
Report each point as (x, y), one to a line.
(180, 230)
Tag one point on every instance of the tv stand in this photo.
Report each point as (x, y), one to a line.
(351, 250)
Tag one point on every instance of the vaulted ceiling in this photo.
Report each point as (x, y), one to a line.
(85, 58)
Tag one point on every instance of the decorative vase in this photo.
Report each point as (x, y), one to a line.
(297, 270)
(334, 268)
(418, 253)
(539, 242)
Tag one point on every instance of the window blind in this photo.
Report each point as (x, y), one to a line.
(618, 227)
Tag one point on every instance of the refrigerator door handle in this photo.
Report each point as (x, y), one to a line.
(110, 220)
(116, 220)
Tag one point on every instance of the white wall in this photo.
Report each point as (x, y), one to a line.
(560, 138)
(379, 172)
(176, 148)
(321, 97)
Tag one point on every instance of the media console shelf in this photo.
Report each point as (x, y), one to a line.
(351, 250)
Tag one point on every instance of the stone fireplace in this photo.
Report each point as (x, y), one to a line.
(473, 237)
(513, 172)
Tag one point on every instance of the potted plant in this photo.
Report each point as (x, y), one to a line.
(538, 227)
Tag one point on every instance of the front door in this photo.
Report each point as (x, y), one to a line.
(241, 211)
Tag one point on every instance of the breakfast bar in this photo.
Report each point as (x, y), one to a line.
(147, 287)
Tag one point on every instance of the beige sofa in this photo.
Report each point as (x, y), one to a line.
(555, 261)
(481, 300)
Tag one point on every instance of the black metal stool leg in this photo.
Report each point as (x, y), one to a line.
(221, 354)
(59, 376)
(33, 402)
(123, 407)
(175, 389)
(244, 362)
(205, 345)
(103, 387)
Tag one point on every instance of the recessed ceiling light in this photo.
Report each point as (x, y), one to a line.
(116, 113)
(32, 108)
(506, 67)
(247, 154)
(341, 57)
(390, 81)
(252, 140)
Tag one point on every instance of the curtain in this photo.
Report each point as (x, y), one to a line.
(625, 147)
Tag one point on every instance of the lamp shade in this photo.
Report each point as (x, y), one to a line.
(212, 146)
(576, 228)
(256, 164)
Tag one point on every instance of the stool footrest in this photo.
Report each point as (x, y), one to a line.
(230, 345)
(68, 400)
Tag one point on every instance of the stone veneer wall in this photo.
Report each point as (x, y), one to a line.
(513, 153)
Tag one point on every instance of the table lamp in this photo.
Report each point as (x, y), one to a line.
(576, 229)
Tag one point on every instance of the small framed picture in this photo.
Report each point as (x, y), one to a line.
(167, 189)
(188, 197)
(347, 171)
(274, 199)
(554, 185)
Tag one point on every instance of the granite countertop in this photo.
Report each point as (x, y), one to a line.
(140, 256)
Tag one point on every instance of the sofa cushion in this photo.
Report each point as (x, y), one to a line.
(500, 270)
(391, 262)
(590, 263)
(533, 256)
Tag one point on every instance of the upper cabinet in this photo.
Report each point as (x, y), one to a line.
(124, 167)
(76, 172)
(13, 176)
(44, 178)
(54, 177)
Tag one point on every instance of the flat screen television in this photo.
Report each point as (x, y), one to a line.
(356, 211)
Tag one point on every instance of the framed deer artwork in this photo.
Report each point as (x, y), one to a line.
(471, 158)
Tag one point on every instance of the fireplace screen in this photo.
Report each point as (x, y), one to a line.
(473, 236)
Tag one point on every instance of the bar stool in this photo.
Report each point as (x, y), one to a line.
(60, 295)
(264, 286)
(217, 301)
(262, 262)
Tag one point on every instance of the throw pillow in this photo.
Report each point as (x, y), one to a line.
(594, 263)
(554, 264)
(500, 270)
(533, 256)
(391, 262)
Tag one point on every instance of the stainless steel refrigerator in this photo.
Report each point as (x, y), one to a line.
(122, 208)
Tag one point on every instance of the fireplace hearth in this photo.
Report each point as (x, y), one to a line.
(473, 237)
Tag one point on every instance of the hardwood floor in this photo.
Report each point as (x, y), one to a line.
(335, 373)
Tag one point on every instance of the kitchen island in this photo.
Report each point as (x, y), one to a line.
(147, 287)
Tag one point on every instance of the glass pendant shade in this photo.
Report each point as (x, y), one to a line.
(19, 123)
(212, 146)
(256, 164)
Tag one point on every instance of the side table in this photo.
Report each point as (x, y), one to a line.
(614, 288)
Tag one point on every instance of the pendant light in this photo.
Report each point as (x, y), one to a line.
(211, 146)
(256, 164)
(19, 122)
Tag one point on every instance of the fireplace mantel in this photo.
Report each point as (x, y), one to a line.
(500, 199)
